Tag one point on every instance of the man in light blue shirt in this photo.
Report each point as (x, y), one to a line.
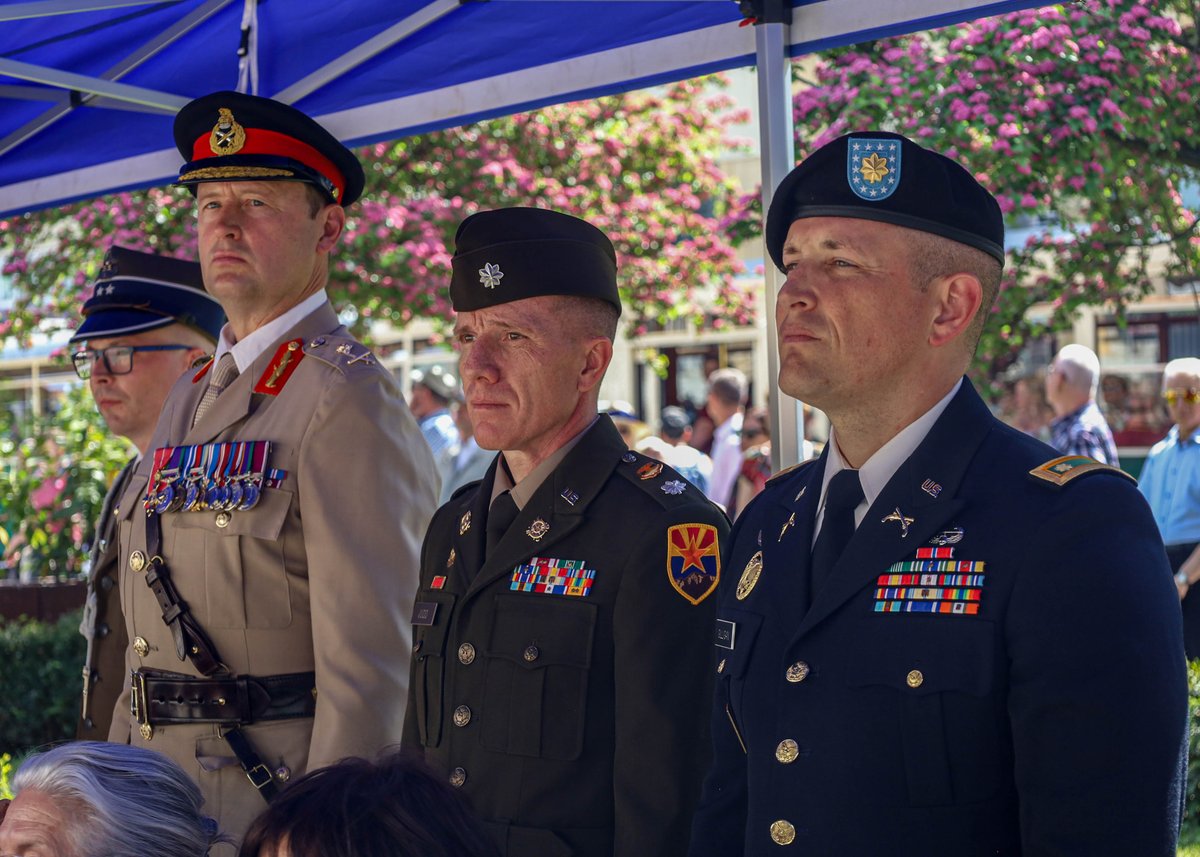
(1171, 483)
(429, 401)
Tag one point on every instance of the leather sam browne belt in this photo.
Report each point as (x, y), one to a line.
(160, 698)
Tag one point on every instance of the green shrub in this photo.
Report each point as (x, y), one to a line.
(42, 663)
(1190, 835)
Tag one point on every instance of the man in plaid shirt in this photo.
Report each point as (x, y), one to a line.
(1078, 428)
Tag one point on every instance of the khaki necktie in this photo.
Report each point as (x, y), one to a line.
(222, 376)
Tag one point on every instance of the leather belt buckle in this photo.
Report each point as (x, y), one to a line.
(259, 776)
(138, 708)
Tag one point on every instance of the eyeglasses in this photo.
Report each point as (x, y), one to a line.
(118, 359)
(1189, 395)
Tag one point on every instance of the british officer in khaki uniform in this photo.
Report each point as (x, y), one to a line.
(148, 319)
(940, 638)
(270, 539)
(560, 669)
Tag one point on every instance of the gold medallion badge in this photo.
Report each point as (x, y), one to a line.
(749, 576)
(227, 136)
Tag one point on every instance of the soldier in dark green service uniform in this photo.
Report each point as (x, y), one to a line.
(561, 674)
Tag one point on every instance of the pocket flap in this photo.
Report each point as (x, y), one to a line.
(536, 632)
(264, 521)
(925, 655)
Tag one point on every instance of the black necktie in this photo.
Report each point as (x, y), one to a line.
(841, 499)
(502, 513)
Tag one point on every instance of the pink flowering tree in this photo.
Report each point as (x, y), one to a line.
(642, 167)
(1081, 118)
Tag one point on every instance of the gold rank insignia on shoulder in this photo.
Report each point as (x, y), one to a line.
(1060, 471)
(693, 560)
(227, 137)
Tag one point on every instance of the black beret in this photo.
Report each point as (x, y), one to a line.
(514, 253)
(231, 136)
(136, 292)
(875, 175)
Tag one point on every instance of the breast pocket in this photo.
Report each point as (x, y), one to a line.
(242, 555)
(935, 678)
(736, 634)
(536, 678)
(429, 666)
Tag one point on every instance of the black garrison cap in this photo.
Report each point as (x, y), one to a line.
(231, 136)
(875, 175)
(514, 253)
(136, 292)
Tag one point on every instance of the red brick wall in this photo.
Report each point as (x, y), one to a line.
(44, 601)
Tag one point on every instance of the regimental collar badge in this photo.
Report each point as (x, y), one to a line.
(490, 275)
(227, 137)
(873, 167)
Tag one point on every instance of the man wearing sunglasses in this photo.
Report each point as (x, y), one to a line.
(1171, 482)
(147, 321)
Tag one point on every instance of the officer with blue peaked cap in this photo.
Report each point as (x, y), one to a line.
(920, 632)
(147, 320)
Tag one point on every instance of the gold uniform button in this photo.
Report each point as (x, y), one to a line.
(457, 777)
(283, 773)
(147, 732)
(915, 678)
(532, 653)
(787, 751)
(797, 672)
(466, 654)
(137, 561)
(462, 716)
(783, 832)
(141, 646)
(223, 519)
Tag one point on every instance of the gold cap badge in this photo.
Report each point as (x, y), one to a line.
(227, 136)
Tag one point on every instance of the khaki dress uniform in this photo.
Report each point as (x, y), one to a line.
(103, 625)
(563, 681)
(318, 576)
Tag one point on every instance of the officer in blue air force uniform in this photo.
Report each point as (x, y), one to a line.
(561, 673)
(937, 639)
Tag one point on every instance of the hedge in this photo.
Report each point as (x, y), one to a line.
(42, 682)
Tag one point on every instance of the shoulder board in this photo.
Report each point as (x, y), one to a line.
(658, 479)
(341, 352)
(1060, 471)
(279, 370)
(203, 364)
(788, 470)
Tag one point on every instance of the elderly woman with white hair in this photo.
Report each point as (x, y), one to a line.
(93, 799)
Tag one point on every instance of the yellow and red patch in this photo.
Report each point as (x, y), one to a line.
(283, 364)
(693, 560)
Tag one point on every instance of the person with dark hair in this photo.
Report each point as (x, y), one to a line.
(561, 677)
(940, 638)
(395, 807)
(95, 799)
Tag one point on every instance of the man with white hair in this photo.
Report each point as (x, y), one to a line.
(1078, 427)
(1171, 484)
(80, 799)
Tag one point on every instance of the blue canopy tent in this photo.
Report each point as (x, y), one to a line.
(88, 88)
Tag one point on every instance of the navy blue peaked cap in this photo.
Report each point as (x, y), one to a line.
(876, 175)
(513, 253)
(136, 292)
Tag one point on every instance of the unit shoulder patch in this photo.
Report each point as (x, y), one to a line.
(693, 560)
(1060, 471)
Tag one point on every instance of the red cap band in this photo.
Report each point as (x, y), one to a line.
(260, 141)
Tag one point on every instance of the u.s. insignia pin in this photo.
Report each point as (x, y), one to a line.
(750, 575)
(227, 137)
(873, 167)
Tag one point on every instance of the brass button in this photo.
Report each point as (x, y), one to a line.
(462, 716)
(532, 654)
(466, 653)
(457, 777)
(721, 666)
(283, 773)
(223, 519)
(137, 561)
(787, 751)
(915, 678)
(797, 672)
(147, 731)
(141, 646)
(783, 832)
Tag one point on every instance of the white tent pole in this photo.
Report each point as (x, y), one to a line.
(778, 157)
